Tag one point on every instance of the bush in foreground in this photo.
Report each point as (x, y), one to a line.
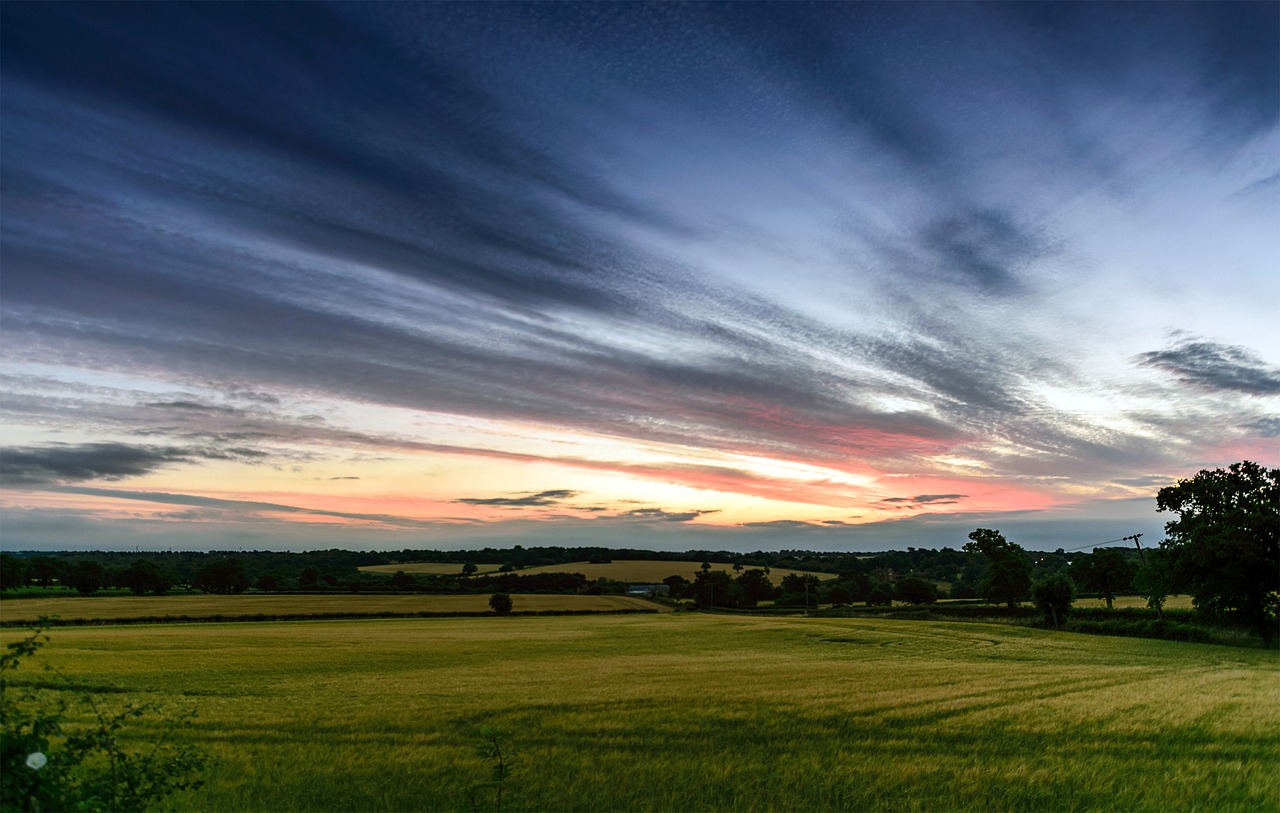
(50, 760)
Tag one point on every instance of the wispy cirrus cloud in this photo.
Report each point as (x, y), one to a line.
(769, 248)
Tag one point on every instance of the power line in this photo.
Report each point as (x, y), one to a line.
(1096, 544)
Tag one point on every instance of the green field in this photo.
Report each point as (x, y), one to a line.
(1130, 602)
(436, 568)
(701, 712)
(116, 608)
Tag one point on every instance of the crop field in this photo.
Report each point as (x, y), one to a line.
(635, 571)
(1129, 602)
(115, 608)
(443, 568)
(698, 712)
(647, 571)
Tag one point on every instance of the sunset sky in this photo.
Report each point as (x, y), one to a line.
(748, 276)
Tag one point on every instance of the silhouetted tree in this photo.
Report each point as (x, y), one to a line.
(224, 577)
(500, 603)
(1155, 579)
(12, 572)
(879, 596)
(401, 580)
(1107, 572)
(1225, 544)
(755, 587)
(716, 588)
(86, 577)
(1009, 570)
(678, 586)
(44, 570)
(143, 577)
(839, 596)
(799, 590)
(914, 590)
(468, 568)
(1054, 595)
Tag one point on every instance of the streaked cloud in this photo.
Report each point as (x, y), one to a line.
(1212, 366)
(766, 266)
(553, 497)
(61, 463)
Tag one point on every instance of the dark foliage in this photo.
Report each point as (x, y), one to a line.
(1008, 579)
(1107, 572)
(1224, 547)
(86, 577)
(225, 576)
(143, 577)
(1053, 596)
(880, 597)
(914, 590)
(500, 603)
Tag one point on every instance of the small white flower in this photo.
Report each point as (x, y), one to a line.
(36, 761)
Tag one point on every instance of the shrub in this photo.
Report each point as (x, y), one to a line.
(500, 603)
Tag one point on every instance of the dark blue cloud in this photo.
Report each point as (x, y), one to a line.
(438, 206)
(69, 463)
(542, 498)
(1216, 367)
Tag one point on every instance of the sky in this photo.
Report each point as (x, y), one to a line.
(843, 276)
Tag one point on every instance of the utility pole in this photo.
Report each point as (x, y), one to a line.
(1136, 544)
(1143, 558)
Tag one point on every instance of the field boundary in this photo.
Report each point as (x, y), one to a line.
(267, 617)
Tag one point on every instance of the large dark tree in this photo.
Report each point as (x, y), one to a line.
(12, 572)
(143, 577)
(756, 587)
(1008, 579)
(716, 588)
(45, 570)
(500, 603)
(914, 590)
(1054, 595)
(86, 577)
(1225, 544)
(1107, 572)
(224, 576)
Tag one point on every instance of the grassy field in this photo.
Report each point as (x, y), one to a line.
(696, 712)
(444, 568)
(116, 608)
(636, 571)
(1129, 602)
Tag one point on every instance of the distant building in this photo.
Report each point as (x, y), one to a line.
(648, 590)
